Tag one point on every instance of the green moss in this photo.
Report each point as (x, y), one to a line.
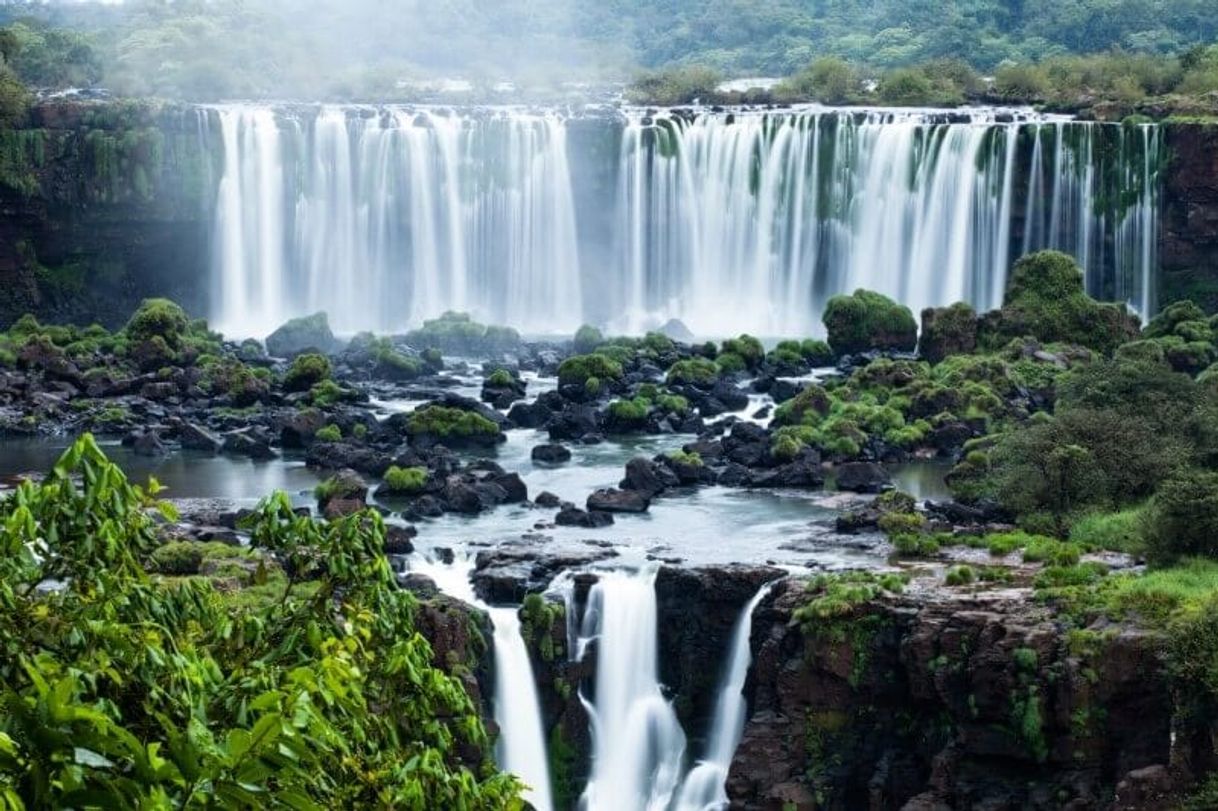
(307, 371)
(866, 320)
(693, 371)
(501, 378)
(691, 459)
(578, 369)
(632, 411)
(960, 575)
(587, 338)
(443, 422)
(408, 480)
(158, 318)
(329, 433)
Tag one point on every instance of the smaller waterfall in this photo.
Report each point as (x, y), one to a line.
(522, 747)
(638, 743)
(705, 785)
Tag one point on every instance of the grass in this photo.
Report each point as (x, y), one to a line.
(1115, 532)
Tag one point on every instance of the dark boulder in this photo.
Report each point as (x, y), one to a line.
(572, 516)
(648, 478)
(551, 454)
(197, 438)
(248, 442)
(862, 477)
(612, 500)
(302, 335)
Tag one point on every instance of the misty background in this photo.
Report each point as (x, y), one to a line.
(386, 49)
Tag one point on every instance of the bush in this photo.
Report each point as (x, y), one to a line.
(746, 347)
(578, 369)
(1181, 519)
(407, 480)
(587, 338)
(158, 318)
(501, 378)
(444, 422)
(633, 411)
(731, 363)
(178, 558)
(675, 85)
(1115, 531)
(948, 331)
(306, 372)
(690, 458)
(693, 371)
(1046, 300)
(829, 80)
(961, 575)
(807, 407)
(865, 321)
(329, 433)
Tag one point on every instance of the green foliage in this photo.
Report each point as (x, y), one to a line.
(457, 333)
(578, 369)
(158, 318)
(1119, 531)
(307, 371)
(443, 422)
(409, 480)
(696, 371)
(867, 320)
(587, 338)
(500, 378)
(630, 411)
(828, 80)
(675, 85)
(124, 690)
(746, 348)
(329, 433)
(689, 458)
(960, 575)
(1181, 519)
(837, 596)
(1045, 300)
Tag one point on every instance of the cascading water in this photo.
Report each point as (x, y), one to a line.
(731, 221)
(704, 788)
(638, 743)
(521, 747)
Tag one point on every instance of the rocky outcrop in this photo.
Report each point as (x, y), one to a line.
(1188, 243)
(947, 702)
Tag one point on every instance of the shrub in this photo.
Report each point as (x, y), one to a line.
(960, 575)
(829, 80)
(693, 371)
(405, 480)
(816, 353)
(587, 338)
(731, 363)
(746, 347)
(630, 411)
(1182, 518)
(329, 433)
(807, 407)
(178, 558)
(867, 320)
(158, 318)
(1045, 299)
(441, 421)
(692, 459)
(1051, 551)
(674, 85)
(1116, 531)
(578, 369)
(306, 372)
(501, 378)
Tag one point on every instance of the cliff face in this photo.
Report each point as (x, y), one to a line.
(102, 205)
(943, 702)
(1188, 244)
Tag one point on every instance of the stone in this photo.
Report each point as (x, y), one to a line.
(148, 443)
(571, 516)
(245, 442)
(399, 540)
(197, 438)
(862, 477)
(551, 454)
(612, 500)
(648, 478)
(547, 499)
(301, 335)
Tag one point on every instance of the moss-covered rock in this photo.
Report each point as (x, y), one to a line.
(306, 371)
(158, 318)
(299, 335)
(579, 369)
(947, 331)
(867, 320)
(1046, 300)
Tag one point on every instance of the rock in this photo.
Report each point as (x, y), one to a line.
(551, 454)
(529, 415)
(338, 455)
(571, 516)
(862, 477)
(344, 493)
(514, 488)
(298, 428)
(301, 335)
(247, 442)
(675, 329)
(507, 574)
(648, 478)
(399, 540)
(947, 331)
(547, 499)
(197, 438)
(573, 423)
(612, 500)
(803, 472)
(461, 496)
(425, 506)
(1144, 788)
(148, 443)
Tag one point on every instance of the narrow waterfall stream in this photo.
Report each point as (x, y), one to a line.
(521, 747)
(637, 742)
(705, 787)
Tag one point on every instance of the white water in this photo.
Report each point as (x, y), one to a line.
(521, 747)
(705, 787)
(739, 221)
(637, 743)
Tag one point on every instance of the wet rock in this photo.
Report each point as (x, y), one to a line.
(399, 540)
(462, 497)
(552, 454)
(572, 516)
(803, 472)
(529, 415)
(344, 493)
(862, 477)
(515, 490)
(298, 428)
(148, 443)
(612, 500)
(507, 574)
(248, 442)
(338, 455)
(547, 499)
(674, 328)
(425, 506)
(648, 478)
(301, 335)
(197, 438)
(573, 423)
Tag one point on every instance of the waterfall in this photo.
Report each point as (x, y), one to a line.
(741, 220)
(521, 747)
(705, 788)
(638, 743)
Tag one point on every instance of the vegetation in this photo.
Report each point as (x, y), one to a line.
(866, 320)
(449, 423)
(306, 372)
(309, 687)
(408, 480)
(579, 369)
